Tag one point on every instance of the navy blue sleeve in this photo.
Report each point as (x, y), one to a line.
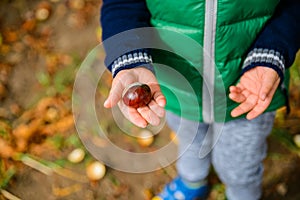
(278, 42)
(118, 16)
(122, 15)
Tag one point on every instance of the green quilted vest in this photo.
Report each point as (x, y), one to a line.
(225, 29)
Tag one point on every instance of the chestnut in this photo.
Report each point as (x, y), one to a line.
(76, 156)
(95, 171)
(137, 95)
(145, 138)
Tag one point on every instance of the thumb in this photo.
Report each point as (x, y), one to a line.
(109, 102)
(268, 83)
(114, 96)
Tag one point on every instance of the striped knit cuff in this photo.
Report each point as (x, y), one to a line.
(131, 60)
(267, 58)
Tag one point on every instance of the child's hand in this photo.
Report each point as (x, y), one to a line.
(141, 116)
(254, 92)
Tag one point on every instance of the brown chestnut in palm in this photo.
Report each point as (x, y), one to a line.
(137, 95)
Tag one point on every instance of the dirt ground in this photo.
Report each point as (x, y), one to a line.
(34, 54)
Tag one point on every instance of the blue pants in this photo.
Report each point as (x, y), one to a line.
(236, 152)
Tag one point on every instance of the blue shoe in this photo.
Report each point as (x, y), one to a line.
(178, 190)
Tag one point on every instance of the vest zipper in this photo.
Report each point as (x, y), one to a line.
(209, 60)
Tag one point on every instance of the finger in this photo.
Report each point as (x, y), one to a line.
(245, 107)
(235, 89)
(115, 95)
(268, 83)
(149, 115)
(240, 86)
(247, 93)
(258, 109)
(133, 115)
(237, 97)
(158, 96)
(160, 99)
(157, 109)
(262, 105)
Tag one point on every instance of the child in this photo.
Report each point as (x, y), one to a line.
(252, 44)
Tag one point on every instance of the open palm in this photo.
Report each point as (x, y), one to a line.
(254, 92)
(141, 116)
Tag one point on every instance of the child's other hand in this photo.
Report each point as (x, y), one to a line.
(254, 92)
(141, 116)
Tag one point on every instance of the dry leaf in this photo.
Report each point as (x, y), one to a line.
(62, 125)
(66, 191)
(6, 151)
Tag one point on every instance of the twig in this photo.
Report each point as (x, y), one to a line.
(9, 195)
(36, 165)
(53, 168)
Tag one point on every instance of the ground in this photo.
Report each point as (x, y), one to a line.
(40, 55)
